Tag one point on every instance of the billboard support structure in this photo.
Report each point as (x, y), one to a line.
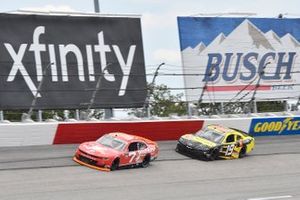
(147, 102)
(37, 94)
(205, 85)
(252, 102)
(92, 100)
(40, 116)
(1, 116)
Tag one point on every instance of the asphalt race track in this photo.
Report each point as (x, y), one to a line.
(271, 171)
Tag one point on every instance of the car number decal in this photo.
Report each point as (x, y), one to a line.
(134, 156)
(229, 149)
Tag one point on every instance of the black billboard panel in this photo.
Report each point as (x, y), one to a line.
(62, 59)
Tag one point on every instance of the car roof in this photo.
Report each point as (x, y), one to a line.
(221, 129)
(124, 136)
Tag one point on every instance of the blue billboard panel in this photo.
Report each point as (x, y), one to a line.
(229, 55)
(275, 126)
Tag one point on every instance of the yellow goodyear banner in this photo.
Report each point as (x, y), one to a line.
(275, 126)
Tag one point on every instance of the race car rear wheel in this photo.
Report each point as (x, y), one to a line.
(146, 161)
(115, 164)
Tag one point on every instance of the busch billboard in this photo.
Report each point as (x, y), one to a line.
(63, 60)
(233, 57)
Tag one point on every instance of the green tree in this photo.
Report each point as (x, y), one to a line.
(162, 102)
(270, 106)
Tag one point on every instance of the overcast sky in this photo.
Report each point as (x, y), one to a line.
(159, 25)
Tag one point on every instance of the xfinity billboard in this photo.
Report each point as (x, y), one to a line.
(232, 57)
(60, 59)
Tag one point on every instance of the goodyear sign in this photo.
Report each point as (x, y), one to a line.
(275, 126)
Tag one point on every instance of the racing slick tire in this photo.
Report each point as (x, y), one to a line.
(213, 155)
(115, 164)
(146, 161)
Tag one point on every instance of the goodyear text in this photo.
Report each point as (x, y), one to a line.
(275, 126)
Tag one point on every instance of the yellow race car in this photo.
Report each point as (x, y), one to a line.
(215, 141)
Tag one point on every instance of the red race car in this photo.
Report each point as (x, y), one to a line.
(115, 150)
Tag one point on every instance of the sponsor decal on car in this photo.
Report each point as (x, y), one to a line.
(275, 126)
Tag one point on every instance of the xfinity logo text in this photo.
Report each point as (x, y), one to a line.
(60, 73)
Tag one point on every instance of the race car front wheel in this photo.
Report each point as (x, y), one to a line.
(115, 164)
(213, 155)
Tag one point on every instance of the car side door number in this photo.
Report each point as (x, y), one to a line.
(134, 156)
(229, 150)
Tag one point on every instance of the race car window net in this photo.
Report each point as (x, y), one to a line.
(111, 142)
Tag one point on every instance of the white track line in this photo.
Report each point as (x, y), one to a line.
(270, 198)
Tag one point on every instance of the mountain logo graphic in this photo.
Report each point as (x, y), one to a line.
(249, 36)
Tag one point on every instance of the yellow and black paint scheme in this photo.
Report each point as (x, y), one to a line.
(230, 144)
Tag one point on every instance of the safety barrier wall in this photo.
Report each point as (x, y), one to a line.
(24, 134)
(154, 130)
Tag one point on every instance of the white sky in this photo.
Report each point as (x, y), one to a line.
(159, 25)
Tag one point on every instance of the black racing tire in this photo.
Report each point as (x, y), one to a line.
(243, 151)
(214, 154)
(177, 148)
(146, 161)
(115, 164)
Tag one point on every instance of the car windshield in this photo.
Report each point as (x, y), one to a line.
(111, 142)
(210, 135)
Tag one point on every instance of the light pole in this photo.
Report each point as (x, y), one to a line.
(147, 102)
(108, 112)
(96, 6)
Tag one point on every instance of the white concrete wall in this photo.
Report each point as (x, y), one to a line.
(238, 123)
(23, 134)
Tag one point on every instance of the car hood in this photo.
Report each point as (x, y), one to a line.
(96, 149)
(200, 140)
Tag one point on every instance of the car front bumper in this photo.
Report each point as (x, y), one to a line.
(90, 165)
(192, 152)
